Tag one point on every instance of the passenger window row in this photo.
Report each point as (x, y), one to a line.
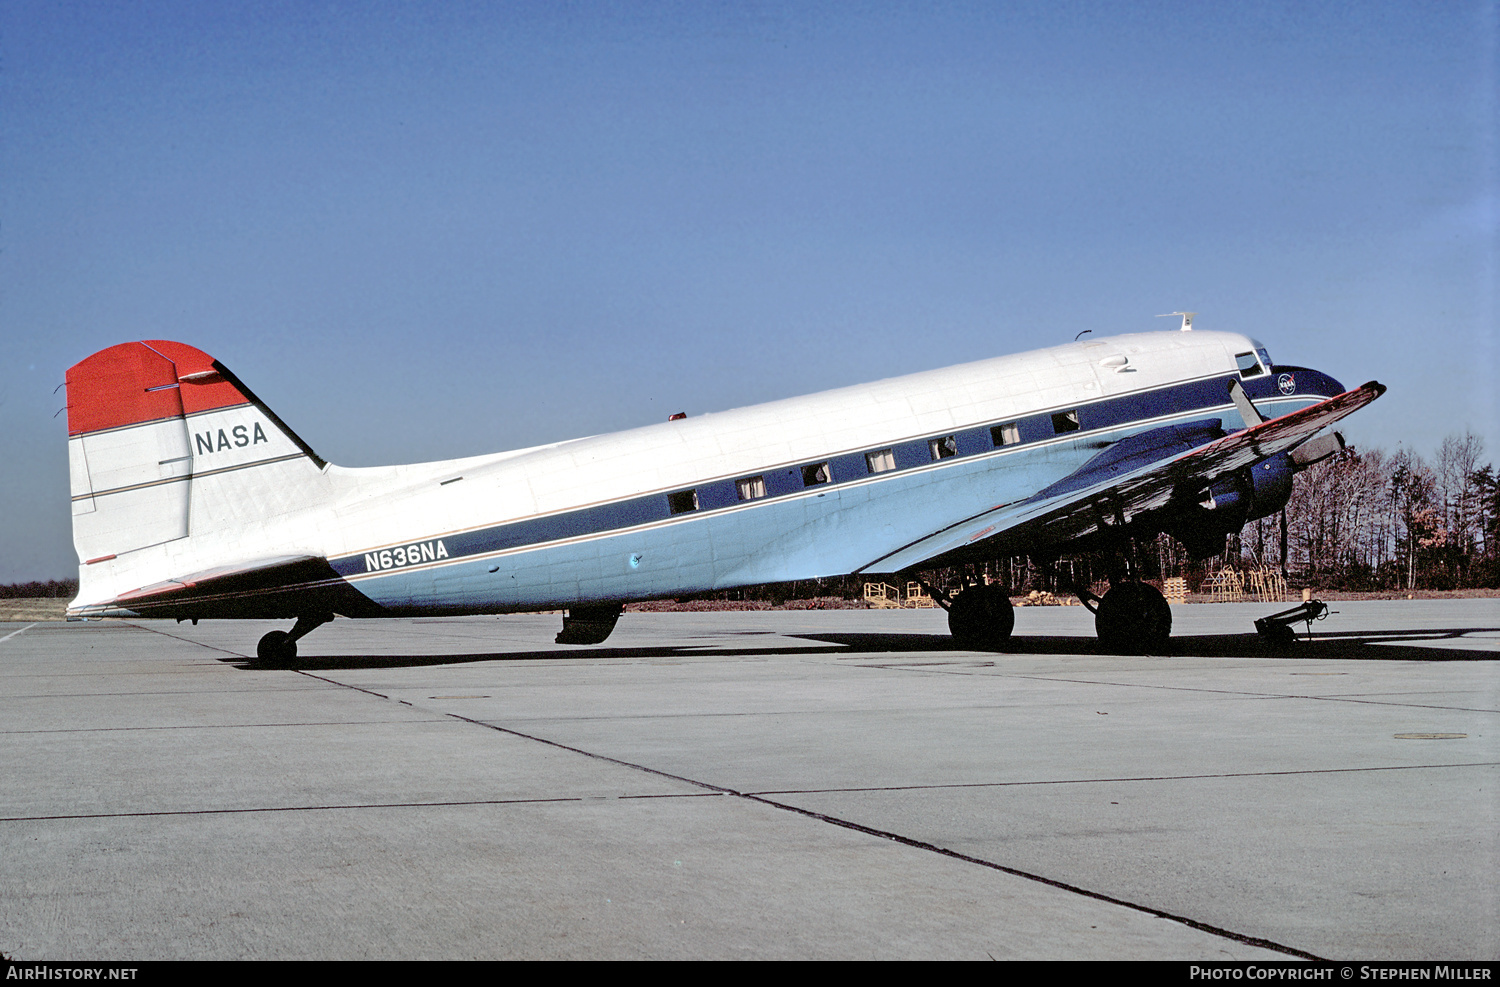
(855, 465)
(1141, 406)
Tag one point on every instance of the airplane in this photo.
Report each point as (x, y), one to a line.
(191, 499)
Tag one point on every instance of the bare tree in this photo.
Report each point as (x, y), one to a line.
(1417, 517)
(1459, 494)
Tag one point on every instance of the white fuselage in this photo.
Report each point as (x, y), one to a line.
(661, 510)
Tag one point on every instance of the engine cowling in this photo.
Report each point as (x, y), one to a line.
(1254, 492)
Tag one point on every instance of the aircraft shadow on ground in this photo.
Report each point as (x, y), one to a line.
(1393, 645)
(1366, 646)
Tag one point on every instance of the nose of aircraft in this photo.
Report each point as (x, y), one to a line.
(1288, 381)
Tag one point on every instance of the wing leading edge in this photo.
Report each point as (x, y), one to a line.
(1102, 494)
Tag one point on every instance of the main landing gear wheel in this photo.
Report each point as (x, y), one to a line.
(1133, 619)
(981, 617)
(276, 646)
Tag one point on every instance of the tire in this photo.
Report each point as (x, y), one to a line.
(982, 618)
(1133, 619)
(276, 646)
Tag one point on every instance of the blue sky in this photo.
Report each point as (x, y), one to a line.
(422, 231)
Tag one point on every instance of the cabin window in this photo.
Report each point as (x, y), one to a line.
(683, 501)
(1006, 435)
(751, 487)
(944, 447)
(881, 462)
(815, 473)
(1249, 365)
(1065, 421)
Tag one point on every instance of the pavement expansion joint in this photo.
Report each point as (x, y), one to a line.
(709, 787)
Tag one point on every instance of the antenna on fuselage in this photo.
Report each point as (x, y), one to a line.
(1187, 319)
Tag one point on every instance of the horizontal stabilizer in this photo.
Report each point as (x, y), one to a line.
(284, 586)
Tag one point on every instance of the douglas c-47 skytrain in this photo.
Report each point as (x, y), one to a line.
(192, 499)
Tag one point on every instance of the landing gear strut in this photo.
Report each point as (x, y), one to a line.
(981, 617)
(279, 646)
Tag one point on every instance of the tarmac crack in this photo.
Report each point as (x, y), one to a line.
(436, 718)
(849, 824)
(1124, 780)
(332, 807)
(887, 835)
(1040, 879)
(1241, 693)
(185, 640)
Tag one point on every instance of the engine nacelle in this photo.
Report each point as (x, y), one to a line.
(1255, 492)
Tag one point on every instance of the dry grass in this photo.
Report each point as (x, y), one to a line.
(34, 608)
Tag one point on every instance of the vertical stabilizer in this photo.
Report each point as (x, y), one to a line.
(164, 443)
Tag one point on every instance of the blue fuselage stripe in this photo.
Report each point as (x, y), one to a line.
(719, 495)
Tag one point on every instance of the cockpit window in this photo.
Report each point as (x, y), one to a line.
(1249, 365)
(1265, 359)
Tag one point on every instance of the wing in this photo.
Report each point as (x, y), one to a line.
(1171, 465)
(284, 586)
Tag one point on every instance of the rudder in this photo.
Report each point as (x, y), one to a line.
(164, 442)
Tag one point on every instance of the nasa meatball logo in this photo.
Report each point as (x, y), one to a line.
(1287, 383)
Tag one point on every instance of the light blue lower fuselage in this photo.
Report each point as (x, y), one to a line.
(826, 530)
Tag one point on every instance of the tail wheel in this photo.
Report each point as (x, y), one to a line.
(276, 646)
(1133, 618)
(981, 617)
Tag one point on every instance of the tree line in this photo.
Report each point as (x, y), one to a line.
(67, 588)
(1362, 520)
(1368, 519)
